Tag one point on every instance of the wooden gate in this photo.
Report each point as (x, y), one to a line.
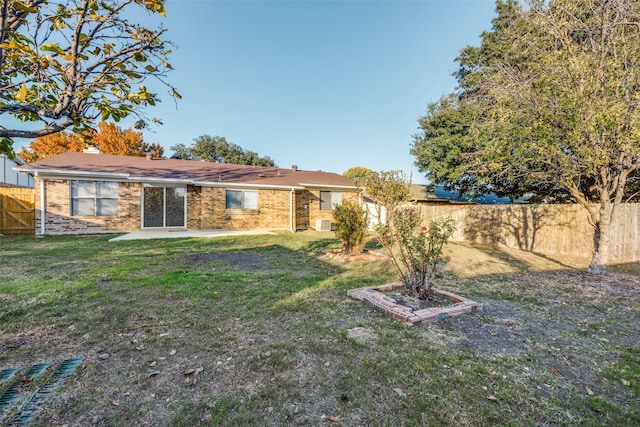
(17, 210)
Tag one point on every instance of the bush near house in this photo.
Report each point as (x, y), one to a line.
(351, 226)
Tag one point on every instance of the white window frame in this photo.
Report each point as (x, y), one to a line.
(94, 196)
(335, 199)
(248, 200)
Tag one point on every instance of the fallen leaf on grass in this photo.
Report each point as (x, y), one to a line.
(192, 371)
(492, 398)
(205, 416)
(554, 371)
(399, 391)
(590, 392)
(625, 382)
(115, 402)
(333, 419)
(172, 352)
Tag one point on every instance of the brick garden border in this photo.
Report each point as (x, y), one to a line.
(373, 295)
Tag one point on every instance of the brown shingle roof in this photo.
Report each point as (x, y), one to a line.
(141, 168)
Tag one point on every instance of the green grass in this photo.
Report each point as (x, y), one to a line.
(267, 319)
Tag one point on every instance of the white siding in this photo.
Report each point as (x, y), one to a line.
(9, 176)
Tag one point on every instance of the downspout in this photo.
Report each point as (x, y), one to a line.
(43, 211)
(291, 198)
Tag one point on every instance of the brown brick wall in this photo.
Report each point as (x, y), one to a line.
(313, 199)
(205, 210)
(58, 211)
(272, 212)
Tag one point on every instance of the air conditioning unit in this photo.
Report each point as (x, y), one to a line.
(323, 224)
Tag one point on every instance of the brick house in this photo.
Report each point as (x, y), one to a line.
(82, 193)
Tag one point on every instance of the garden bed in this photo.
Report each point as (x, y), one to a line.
(383, 298)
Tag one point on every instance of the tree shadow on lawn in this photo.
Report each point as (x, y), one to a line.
(563, 327)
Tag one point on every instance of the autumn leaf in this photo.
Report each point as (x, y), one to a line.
(22, 93)
(205, 416)
(333, 419)
(192, 371)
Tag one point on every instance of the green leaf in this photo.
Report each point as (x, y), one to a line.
(24, 8)
(51, 47)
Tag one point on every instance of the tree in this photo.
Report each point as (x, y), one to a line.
(110, 139)
(547, 105)
(358, 174)
(218, 149)
(387, 189)
(51, 145)
(65, 64)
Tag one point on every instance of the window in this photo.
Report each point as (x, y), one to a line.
(329, 200)
(94, 198)
(241, 199)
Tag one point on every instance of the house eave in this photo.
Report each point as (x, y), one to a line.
(333, 186)
(246, 185)
(168, 181)
(58, 174)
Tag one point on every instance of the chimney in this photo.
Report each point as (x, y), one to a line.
(294, 167)
(92, 149)
(149, 155)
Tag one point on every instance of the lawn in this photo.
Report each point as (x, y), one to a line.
(255, 330)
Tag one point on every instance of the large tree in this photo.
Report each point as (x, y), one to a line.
(109, 139)
(218, 149)
(65, 64)
(358, 174)
(547, 105)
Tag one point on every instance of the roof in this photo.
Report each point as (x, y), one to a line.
(143, 169)
(16, 159)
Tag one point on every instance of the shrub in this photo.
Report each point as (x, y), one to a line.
(351, 226)
(415, 250)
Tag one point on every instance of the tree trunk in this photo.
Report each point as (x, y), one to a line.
(601, 240)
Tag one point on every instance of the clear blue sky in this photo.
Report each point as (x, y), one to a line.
(321, 84)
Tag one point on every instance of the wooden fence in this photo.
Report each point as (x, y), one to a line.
(17, 210)
(551, 229)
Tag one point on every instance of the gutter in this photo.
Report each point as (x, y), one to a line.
(245, 185)
(344, 187)
(61, 174)
(292, 228)
(43, 210)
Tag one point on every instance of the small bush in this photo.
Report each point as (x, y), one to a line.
(351, 226)
(415, 250)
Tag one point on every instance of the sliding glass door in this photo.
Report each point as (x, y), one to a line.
(164, 207)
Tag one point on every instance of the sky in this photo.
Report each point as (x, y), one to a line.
(324, 85)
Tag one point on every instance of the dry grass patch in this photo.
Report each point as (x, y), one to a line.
(264, 322)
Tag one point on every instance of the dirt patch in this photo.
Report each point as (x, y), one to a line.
(366, 255)
(237, 260)
(568, 327)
